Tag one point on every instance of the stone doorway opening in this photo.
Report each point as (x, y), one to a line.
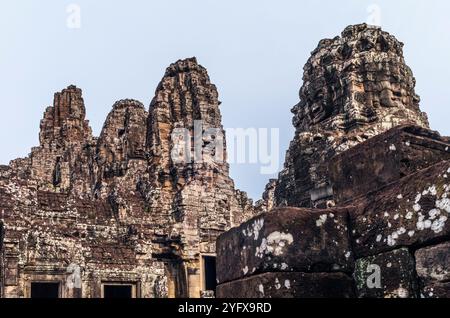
(45, 290)
(209, 273)
(117, 290)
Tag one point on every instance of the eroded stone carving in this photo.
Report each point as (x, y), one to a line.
(117, 206)
(355, 86)
(363, 152)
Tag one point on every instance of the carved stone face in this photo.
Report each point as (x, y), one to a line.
(123, 135)
(318, 106)
(357, 79)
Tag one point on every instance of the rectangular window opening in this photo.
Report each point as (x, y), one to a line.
(118, 291)
(45, 290)
(209, 272)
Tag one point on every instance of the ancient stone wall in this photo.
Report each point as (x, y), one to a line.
(150, 201)
(85, 212)
(390, 243)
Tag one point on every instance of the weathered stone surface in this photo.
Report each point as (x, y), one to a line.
(388, 275)
(362, 144)
(266, 203)
(433, 263)
(284, 240)
(433, 268)
(191, 202)
(436, 290)
(289, 285)
(118, 208)
(384, 159)
(64, 122)
(121, 160)
(354, 87)
(123, 207)
(64, 159)
(413, 212)
(123, 137)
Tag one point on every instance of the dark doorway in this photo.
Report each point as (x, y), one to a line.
(210, 272)
(44, 290)
(117, 291)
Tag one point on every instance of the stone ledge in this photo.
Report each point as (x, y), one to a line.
(286, 240)
(413, 212)
(384, 159)
(387, 275)
(289, 285)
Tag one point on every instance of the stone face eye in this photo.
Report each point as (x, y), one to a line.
(346, 51)
(327, 59)
(365, 44)
(318, 95)
(383, 43)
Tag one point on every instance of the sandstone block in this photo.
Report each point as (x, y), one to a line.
(388, 275)
(412, 212)
(384, 159)
(284, 240)
(289, 285)
(433, 269)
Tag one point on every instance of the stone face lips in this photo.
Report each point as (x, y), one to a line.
(355, 87)
(119, 207)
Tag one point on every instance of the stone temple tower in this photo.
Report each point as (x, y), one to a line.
(83, 216)
(355, 86)
(364, 192)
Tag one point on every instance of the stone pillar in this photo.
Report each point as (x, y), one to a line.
(194, 286)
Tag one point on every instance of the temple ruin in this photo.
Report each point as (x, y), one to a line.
(115, 216)
(360, 209)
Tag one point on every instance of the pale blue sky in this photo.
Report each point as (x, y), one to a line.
(254, 51)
